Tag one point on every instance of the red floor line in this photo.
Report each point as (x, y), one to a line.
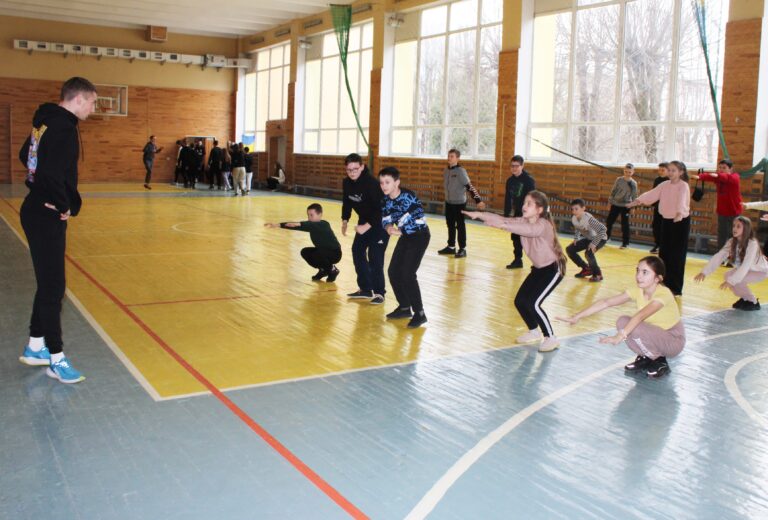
(305, 470)
(297, 463)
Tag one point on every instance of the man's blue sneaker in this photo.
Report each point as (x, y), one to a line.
(64, 372)
(40, 358)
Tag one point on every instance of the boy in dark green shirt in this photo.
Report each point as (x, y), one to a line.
(327, 250)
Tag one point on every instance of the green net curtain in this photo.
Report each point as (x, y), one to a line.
(700, 15)
(342, 21)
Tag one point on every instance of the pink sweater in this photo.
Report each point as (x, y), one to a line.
(673, 198)
(537, 239)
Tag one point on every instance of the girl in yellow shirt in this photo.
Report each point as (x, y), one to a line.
(655, 331)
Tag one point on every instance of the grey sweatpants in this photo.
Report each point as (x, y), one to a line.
(652, 341)
(742, 290)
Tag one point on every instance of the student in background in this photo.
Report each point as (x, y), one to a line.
(623, 192)
(248, 169)
(456, 183)
(149, 151)
(655, 331)
(590, 237)
(278, 179)
(674, 198)
(728, 183)
(326, 252)
(519, 184)
(750, 266)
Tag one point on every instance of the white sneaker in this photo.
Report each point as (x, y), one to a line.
(549, 344)
(530, 336)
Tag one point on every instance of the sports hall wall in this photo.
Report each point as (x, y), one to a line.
(322, 174)
(170, 101)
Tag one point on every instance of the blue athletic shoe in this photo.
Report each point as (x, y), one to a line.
(64, 372)
(40, 358)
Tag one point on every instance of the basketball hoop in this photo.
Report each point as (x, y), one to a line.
(112, 101)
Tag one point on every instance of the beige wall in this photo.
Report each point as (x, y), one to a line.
(52, 66)
(745, 9)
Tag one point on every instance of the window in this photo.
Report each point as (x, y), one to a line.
(446, 80)
(625, 81)
(329, 122)
(266, 92)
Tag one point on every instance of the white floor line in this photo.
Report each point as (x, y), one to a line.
(441, 487)
(733, 388)
(135, 372)
(430, 500)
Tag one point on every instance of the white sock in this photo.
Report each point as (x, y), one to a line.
(36, 344)
(55, 358)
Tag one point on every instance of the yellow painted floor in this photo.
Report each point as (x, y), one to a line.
(236, 302)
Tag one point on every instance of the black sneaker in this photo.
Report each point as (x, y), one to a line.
(400, 313)
(461, 253)
(738, 304)
(658, 368)
(361, 294)
(377, 299)
(418, 320)
(585, 272)
(322, 273)
(516, 264)
(447, 250)
(749, 306)
(333, 274)
(640, 363)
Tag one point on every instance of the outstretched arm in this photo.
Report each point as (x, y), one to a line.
(599, 305)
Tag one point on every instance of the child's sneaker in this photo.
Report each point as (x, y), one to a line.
(321, 273)
(640, 363)
(40, 358)
(417, 320)
(530, 336)
(447, 250)
(64, 372)
(549, 344)
(333, 274)
(596, 278)
(658, 368)
(585, 272)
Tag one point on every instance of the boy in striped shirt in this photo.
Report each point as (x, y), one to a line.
(590, 236)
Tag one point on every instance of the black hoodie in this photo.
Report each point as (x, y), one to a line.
(50, 155)
(364, 196)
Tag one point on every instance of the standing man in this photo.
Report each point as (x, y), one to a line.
(728, 185)
(518, 186)
(363, 193)
(150, 149)
(456, 183)
(50, 155)
(214, 165)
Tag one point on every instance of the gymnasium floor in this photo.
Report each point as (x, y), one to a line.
(223, 383)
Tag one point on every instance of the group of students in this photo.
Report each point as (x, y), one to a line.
(653, 332)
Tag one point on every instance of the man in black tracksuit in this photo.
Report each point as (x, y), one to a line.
(214, 165)
(518, 186)
(361, 192)
(50, 155)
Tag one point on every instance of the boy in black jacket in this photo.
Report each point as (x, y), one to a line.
(518, 186)
(50, 155)
(327, 250)
(362, 193)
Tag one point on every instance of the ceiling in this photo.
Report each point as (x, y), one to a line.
(228, 18)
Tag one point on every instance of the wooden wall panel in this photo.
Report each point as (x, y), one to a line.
(112, 146)
(5, 143)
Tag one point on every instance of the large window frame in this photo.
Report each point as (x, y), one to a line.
(670, 125)
(327, 122)
(418, 131)
(266, 92)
